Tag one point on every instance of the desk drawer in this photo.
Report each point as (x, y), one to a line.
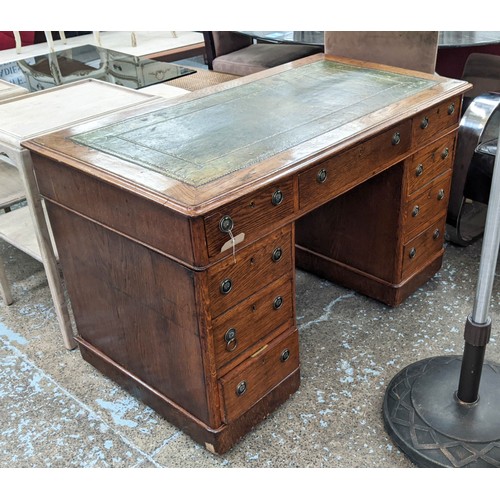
(242, 387)
(431, 123)
(337, 175)
(252, 215)
(423, 248)
(425, 205)
(253, 319)
(251, 269)
(429, 163)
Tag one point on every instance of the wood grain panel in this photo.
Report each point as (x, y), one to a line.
(348, 169)
(252, 216)
(429, 163)
(252, 320)
(125, 306)
(259, 374)
(423, 249)
(250, 270)
(433, 122)
(425, 205)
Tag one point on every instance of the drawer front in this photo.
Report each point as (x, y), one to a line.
(337, 175)
(252, 216)
(430, 123)
(428, 163)
(426, 205)
(258, 316)
(423, 248)
(249, 270)
(242, 387)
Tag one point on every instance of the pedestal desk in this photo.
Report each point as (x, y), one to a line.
(179, 225)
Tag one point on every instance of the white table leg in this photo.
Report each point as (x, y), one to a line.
(49, 259)
(4, 285)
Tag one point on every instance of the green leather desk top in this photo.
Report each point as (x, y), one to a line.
(204, 139)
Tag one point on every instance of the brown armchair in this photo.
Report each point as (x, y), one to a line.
(237, 54)
(415, 50)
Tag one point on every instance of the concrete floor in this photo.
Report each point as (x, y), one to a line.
(58, 411)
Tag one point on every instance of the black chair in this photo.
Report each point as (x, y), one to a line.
(476, 150)
(238, 54)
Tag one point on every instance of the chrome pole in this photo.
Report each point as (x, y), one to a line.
(477, 330)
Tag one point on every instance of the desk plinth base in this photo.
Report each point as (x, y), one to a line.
(371, 286)
(217, 441)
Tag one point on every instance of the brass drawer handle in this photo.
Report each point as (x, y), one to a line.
(445, 153)
(278, 302)
(241, 388)
(436, 234)
(419, 170)
(226, 286)
(412, 253)
(415, 211)
(451, 108)
(424, 123)
(277, 254)
(285, 355)
(230, 339)
(277, 198)
(440, 195)
(226, 224)
(396, 139)
(322, 175)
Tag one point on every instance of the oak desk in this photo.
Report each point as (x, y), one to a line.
(179, 226)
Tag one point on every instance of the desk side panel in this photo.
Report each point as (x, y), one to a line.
(135, 306)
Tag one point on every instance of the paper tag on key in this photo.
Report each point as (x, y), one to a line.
(233, 241)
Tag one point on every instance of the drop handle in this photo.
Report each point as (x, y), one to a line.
(230, 339)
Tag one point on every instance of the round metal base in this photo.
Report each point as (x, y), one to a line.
(432, 427)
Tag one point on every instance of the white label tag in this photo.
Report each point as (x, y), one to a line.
(233, 242)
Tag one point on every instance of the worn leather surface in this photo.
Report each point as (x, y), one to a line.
(203, 139)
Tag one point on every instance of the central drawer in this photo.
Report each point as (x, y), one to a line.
(335, 176)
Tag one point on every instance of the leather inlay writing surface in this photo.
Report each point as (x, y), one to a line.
(199, 141)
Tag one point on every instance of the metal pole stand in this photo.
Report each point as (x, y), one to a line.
(433, 409)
